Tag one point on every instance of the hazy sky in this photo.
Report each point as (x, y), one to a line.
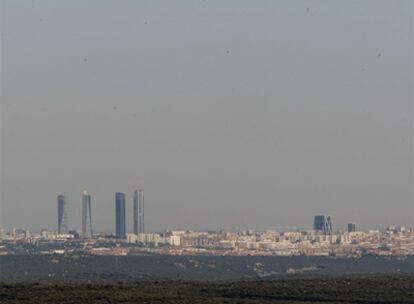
(229, 114)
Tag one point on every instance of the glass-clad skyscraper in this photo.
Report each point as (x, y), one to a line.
(351, 227)
(138, 211)
(120, 215)
(323, 223)
(86, 215)
(62, 214)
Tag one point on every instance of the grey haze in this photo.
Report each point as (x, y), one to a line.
(229, 114)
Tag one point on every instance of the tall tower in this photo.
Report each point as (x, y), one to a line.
(142, 213)
(86, 215)
(323, 223)
(139, 211)
(62, 214)
(351, 227)
(120, 215)
(139, 226)
(135, 212)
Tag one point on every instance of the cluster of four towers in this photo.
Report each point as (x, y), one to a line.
(120, 212)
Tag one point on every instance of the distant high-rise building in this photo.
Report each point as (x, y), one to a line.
(135, 211)
(120, 215)
(138, 211)
(62, 204)
(351, 227)
(86, 215)
(323, 223)
(2, 233)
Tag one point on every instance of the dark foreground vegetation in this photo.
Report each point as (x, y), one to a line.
(353, 289)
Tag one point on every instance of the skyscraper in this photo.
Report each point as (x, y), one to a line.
(86, 215)
(120, 215)
(62, 214)
(135, 211)
(351, 227)
(323, 223)
(139, 211)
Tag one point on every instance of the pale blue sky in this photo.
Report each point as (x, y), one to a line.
(230, 114)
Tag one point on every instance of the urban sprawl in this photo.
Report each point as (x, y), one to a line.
(322, 240)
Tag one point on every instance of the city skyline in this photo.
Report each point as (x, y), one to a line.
(238, 115)
(394, 241)
(321, 223)
(135, 225)
(207, 151)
